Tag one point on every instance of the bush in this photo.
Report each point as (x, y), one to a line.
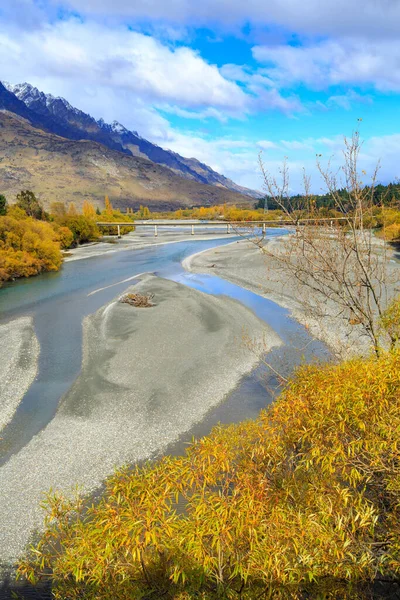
(83, 229)
(391, 233)
(115, 216)
(27, 246)
(302, 502)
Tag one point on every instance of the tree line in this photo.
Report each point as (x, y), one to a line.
(32, 239)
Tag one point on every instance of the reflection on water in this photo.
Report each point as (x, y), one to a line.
(58, 302)
(257, 389)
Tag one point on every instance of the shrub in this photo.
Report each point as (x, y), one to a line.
(138, 300)
(27, 246)
(391, 233)
(302, 502)
(84, 229)
(110, 216)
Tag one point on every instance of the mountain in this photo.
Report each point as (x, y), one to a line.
(57, 168)
(9, 101)
(77, 125)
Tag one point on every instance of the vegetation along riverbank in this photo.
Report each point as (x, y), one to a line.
(32, 240)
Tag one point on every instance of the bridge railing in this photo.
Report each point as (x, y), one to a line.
(228, 224)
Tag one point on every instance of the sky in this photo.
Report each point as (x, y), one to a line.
(223, 80)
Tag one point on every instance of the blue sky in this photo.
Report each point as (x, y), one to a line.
(221, 80)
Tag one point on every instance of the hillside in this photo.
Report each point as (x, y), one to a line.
(58, 169)
(58, 116)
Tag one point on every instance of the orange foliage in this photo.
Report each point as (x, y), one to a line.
(27, 246)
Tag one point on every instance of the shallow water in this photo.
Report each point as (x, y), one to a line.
(58, 302)
(259, 388)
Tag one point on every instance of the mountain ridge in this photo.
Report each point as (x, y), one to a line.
(76, 124)
(59, 169)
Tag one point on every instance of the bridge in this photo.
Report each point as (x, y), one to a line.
(230, 225)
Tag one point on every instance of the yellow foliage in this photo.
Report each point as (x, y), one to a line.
(115, 216)
(108, 205)
(72, 209)
(27, 246)
(88, 210)
(301, 502)
(391, 233)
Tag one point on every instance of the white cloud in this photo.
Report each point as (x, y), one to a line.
(296, 145)
(349, 61)
(119, 58)
(384, 150)
(115, 57)
(375, 18)
(236, 159)
(348, 99)
(266, 144)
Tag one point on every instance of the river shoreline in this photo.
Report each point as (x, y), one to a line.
(136, 240)
(243, 264)
(144, 382)
(19, 365)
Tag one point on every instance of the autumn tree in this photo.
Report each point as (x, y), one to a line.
(58, 209)
(72, 211)
(88, 210)
(108, 205)
(3, 205)
(27, 246)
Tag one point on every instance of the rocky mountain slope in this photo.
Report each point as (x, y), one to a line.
(60, 169)
(60, 117)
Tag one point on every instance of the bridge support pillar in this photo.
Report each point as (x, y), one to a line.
(119, 232)
(155, 231)
(192, 229)
(228, 228)
(264, 230)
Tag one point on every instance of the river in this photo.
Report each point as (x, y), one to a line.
(58, 302)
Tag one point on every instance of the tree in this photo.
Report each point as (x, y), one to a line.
(88, 210)
(108, 205)
(58, 209)
(83, 229)
(72, 212)
(30, 204)
(144, 212)
(98, 212)
(3, 205)
(337, 267)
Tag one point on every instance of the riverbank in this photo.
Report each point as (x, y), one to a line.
(18, 365)
(147, 376)
(244, 264)
(137, 240)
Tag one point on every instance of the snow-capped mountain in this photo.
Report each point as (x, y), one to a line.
(57, 115)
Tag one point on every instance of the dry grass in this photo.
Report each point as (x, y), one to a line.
(138, 300)
(75, 171)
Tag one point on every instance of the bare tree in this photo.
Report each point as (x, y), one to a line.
(340, 267)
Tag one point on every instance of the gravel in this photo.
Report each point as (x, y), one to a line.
(245, 265)
(18, 365)
(148, 375)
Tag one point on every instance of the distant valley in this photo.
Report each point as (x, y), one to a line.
(63, 153)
